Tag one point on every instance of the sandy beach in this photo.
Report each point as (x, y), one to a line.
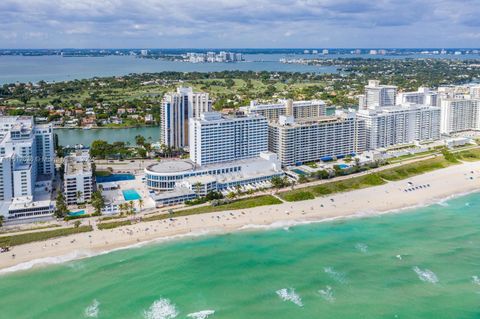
(427, 188)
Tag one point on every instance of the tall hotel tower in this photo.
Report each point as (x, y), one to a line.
(177, 108)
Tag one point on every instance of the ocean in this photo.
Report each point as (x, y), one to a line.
(420, 263)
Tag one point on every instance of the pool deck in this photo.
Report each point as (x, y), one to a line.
(140, 188)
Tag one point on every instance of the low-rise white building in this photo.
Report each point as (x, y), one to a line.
(78, 178)
(173, 182)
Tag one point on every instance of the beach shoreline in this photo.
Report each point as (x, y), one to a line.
(431, 188)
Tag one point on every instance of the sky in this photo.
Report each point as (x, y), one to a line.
(239, 23)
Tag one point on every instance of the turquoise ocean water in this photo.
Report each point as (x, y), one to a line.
(421, 263)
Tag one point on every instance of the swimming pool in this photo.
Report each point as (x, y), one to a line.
(343, 166)
(115, 178)
(131, 194)
(79, 213)
(299, 171)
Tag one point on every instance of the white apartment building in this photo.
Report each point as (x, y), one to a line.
(301, 109)
(217, 138)
(321, 138)
(26, 167)
(400, 125)
(177, 108)
(378, 96)
(459, 114)
(424, 96)
(475, 91)
(78, 178)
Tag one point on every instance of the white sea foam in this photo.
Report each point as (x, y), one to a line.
(204, 314)
(476, 280)
(74, 255)
(81, 254)
(335, 275)
(93, 309)
(48, 261)
(161, 309)
(288, 294)
(362, 247)
(327, 294)
(426, 275)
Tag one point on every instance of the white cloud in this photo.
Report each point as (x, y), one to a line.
(237, 23)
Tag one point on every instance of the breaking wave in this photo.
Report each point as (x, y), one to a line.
(204, 314)
(161, 309)
(426, 275)
(335, 275)
(327, 294)
(362, 247)
(288, 294)
(93, 309)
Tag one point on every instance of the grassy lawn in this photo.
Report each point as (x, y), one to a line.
(411, 156)
(111, 225)
(333, 187)
(468, 155)
(29, 229)
(238, 204)
(417, 168)
(14, 240)
(295, 196)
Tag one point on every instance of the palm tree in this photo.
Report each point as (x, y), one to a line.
(79, 195)
(131, 210)
(122, 208)
(140, 204)
(1, 220)
(197, 187)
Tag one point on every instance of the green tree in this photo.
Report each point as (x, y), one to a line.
(2, 218)
(79, 196)
(99, 149)
(139, 140)
(302, 179)
(60, 206)
(98, 202)
(131, 208)
(279, 182)
(77, 224)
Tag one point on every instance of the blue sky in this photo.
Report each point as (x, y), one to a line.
(239, 23)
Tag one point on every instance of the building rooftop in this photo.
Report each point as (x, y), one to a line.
(314, 120)
(28, 202)
(216, 117)
(185, 165)
(177, 192)
(171, 166)
(78, 163)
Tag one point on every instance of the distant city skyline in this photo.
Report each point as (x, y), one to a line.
(239, 24)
